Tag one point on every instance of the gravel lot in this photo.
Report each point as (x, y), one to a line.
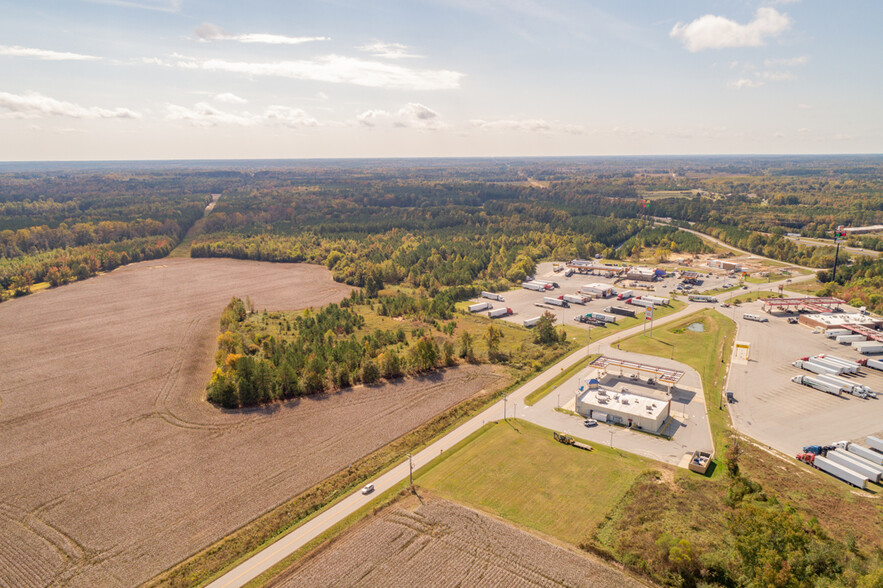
(442, 544)
(113, 466)
(785, 415)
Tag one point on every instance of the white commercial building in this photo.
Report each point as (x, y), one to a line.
(598, 290)
(622, 407)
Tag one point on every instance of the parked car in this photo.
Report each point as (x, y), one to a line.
(368, 489)
(590, 422)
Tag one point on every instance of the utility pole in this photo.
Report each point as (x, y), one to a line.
(411, 470)
(504, 407)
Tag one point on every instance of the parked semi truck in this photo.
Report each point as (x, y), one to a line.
(621, 310)
(574, 298)
(814, 367)
(638, 301)
(845, 385)
(492, 296)
(874, 443)
(847, 339)
(868, 347)
(533, 286)
(831, 333)
(499, 312)
(876, 364)
(625, 294)
(657, 300)
(607, 318)
(817, 384)
(531, 322)
(556, 302)
(701, 298)
(480, 306)
(835, 469)
(839, 369)
(861, 451)
(849, 367)
(854, 463)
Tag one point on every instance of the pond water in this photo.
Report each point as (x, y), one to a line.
(697, 327)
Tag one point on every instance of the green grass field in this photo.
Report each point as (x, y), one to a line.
(707, 352)
(517, 471)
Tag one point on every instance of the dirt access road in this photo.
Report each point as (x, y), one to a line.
(114, 468)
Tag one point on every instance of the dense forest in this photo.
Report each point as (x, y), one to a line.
(269, 356)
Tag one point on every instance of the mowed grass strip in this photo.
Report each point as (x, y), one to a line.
(543, 390)
(517, 471)
(706, 352)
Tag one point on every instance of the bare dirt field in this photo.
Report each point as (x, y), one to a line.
(441, 543)
(114, 468)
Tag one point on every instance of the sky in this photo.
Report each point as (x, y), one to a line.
(197, 79)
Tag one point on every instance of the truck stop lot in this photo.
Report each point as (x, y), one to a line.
(785, 415)
(527, 304)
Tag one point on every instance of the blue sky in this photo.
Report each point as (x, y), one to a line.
(169, 79)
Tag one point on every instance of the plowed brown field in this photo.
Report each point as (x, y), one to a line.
(443, 544)
(114, 468)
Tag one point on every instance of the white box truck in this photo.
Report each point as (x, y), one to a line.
(480, 306)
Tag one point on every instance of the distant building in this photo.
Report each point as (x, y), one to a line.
(729, 266)
(598, 290)
(642, 274)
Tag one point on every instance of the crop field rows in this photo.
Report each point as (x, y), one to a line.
(115, 468)
(440, 542)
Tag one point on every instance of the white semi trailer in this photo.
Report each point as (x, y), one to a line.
(499, 312)
(555, 302)
(842, 472)
(480, 306)
(850, 367)
(874, 443)
(814, 367)
(863, 452)
(817, 384)
(868, 347)
(574, 298)
(531, 322)
(847, 339)
(852, 462)
(492, 296)
(533, 286)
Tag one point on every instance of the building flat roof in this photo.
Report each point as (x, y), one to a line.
(664, 375)
(805, 301)
(624, 402)
(843, 319)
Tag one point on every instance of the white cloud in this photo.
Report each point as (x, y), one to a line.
(17, 51)
(529, 125)
(210, 32)
(370, 118)
(803, 106)
(745, 83)
(412, 115)
(387, 50)
(34, 105)
(335, 69)
(787, 61)
(778, 76)
(416, 116)
(204, 114)
(718, 32)
(229, 98)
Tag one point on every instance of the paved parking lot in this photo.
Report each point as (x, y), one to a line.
(688, 428)
(527, 304)
(783, 414)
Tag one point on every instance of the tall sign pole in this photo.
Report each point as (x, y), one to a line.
(648, 316)
(838, 235)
